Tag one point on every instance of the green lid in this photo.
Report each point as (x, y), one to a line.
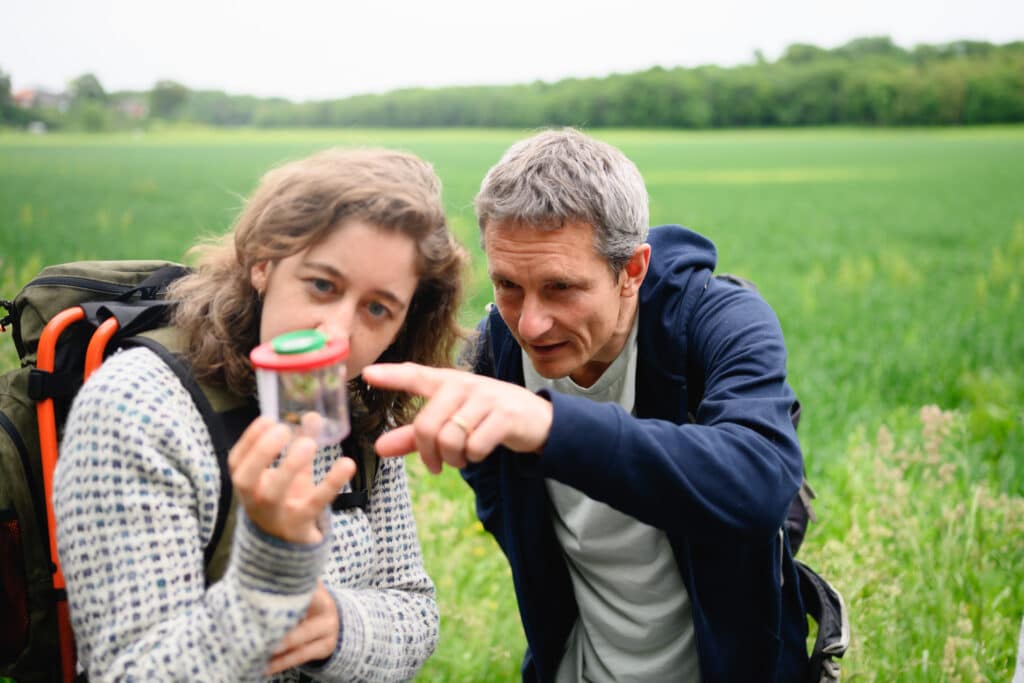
(299, 341)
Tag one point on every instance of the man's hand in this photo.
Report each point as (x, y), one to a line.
(313, 638)
(283, 501)
(466, 417)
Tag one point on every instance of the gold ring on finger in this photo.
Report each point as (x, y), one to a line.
(461, 423)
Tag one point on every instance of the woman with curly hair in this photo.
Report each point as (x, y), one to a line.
(352, 243)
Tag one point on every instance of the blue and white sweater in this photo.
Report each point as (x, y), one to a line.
(135, 495)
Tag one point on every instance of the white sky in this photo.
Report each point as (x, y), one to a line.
(322, 49)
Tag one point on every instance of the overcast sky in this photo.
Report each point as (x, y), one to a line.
(321, 49)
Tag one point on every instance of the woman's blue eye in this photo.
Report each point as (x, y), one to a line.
(321, 285)
(377, 310)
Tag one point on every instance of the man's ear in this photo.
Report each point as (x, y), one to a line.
(258, 275)
(635, 270)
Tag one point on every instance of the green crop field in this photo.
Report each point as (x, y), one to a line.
(894, 259)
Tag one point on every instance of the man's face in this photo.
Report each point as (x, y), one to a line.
(559, 298)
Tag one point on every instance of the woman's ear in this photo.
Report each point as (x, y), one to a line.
(258, 275)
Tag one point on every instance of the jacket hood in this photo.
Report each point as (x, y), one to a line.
(675, 248)
(681, 260)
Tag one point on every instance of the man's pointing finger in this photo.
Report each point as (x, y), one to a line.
(409, 377)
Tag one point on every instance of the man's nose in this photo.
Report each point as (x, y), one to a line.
(534, 320)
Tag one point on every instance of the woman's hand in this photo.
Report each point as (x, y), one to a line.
(313, 638)
(283, 501)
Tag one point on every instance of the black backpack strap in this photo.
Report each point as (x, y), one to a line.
(36, 492)
(57, 384)
(8, 317)
(154, 286)
(18, 442)
(142, 307)
(366, 469)
(737, 280)
(222, 443)
(132, 316)
(826, 606)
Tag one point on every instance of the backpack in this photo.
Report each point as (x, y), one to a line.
(63, 323)
(821, 600)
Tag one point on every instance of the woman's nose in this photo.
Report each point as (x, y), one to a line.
(337, 321)
(333, 331)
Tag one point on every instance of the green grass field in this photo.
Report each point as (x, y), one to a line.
(894, 258)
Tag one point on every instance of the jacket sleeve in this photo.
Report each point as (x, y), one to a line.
(482, 477)
(386, 603)
(733, 472)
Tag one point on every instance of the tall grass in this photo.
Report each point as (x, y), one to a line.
(927, 557)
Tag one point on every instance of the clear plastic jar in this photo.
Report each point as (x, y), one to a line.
(300, 377)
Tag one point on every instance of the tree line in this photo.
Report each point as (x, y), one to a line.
(868, 81)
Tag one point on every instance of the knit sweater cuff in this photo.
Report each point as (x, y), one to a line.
(349, 658)
(267, 564)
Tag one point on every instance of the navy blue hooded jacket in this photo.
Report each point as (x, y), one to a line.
(710, 456)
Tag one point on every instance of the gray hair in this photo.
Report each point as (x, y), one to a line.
(560, 175)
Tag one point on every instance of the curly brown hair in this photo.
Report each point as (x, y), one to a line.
(294, 207)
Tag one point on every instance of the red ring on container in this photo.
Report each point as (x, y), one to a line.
(264, 357)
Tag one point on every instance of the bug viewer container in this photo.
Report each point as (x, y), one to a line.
(300, 377)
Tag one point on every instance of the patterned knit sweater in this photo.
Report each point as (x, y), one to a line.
(136, 494)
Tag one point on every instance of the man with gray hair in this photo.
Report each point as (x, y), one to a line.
(626, 431)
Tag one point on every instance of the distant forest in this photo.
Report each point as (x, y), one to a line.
(868, 81)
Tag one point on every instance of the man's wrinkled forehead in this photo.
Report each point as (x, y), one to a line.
(540, 225)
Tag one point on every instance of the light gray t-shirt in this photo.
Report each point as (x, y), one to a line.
(635, 622)
(1019, 676)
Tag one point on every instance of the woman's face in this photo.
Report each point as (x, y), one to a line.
(356, 285)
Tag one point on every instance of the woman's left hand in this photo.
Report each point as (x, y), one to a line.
(283, 501)
(315, 637)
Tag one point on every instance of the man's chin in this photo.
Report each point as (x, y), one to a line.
(550, 368)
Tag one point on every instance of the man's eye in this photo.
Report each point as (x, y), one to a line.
(561, 286)
(504, 284)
